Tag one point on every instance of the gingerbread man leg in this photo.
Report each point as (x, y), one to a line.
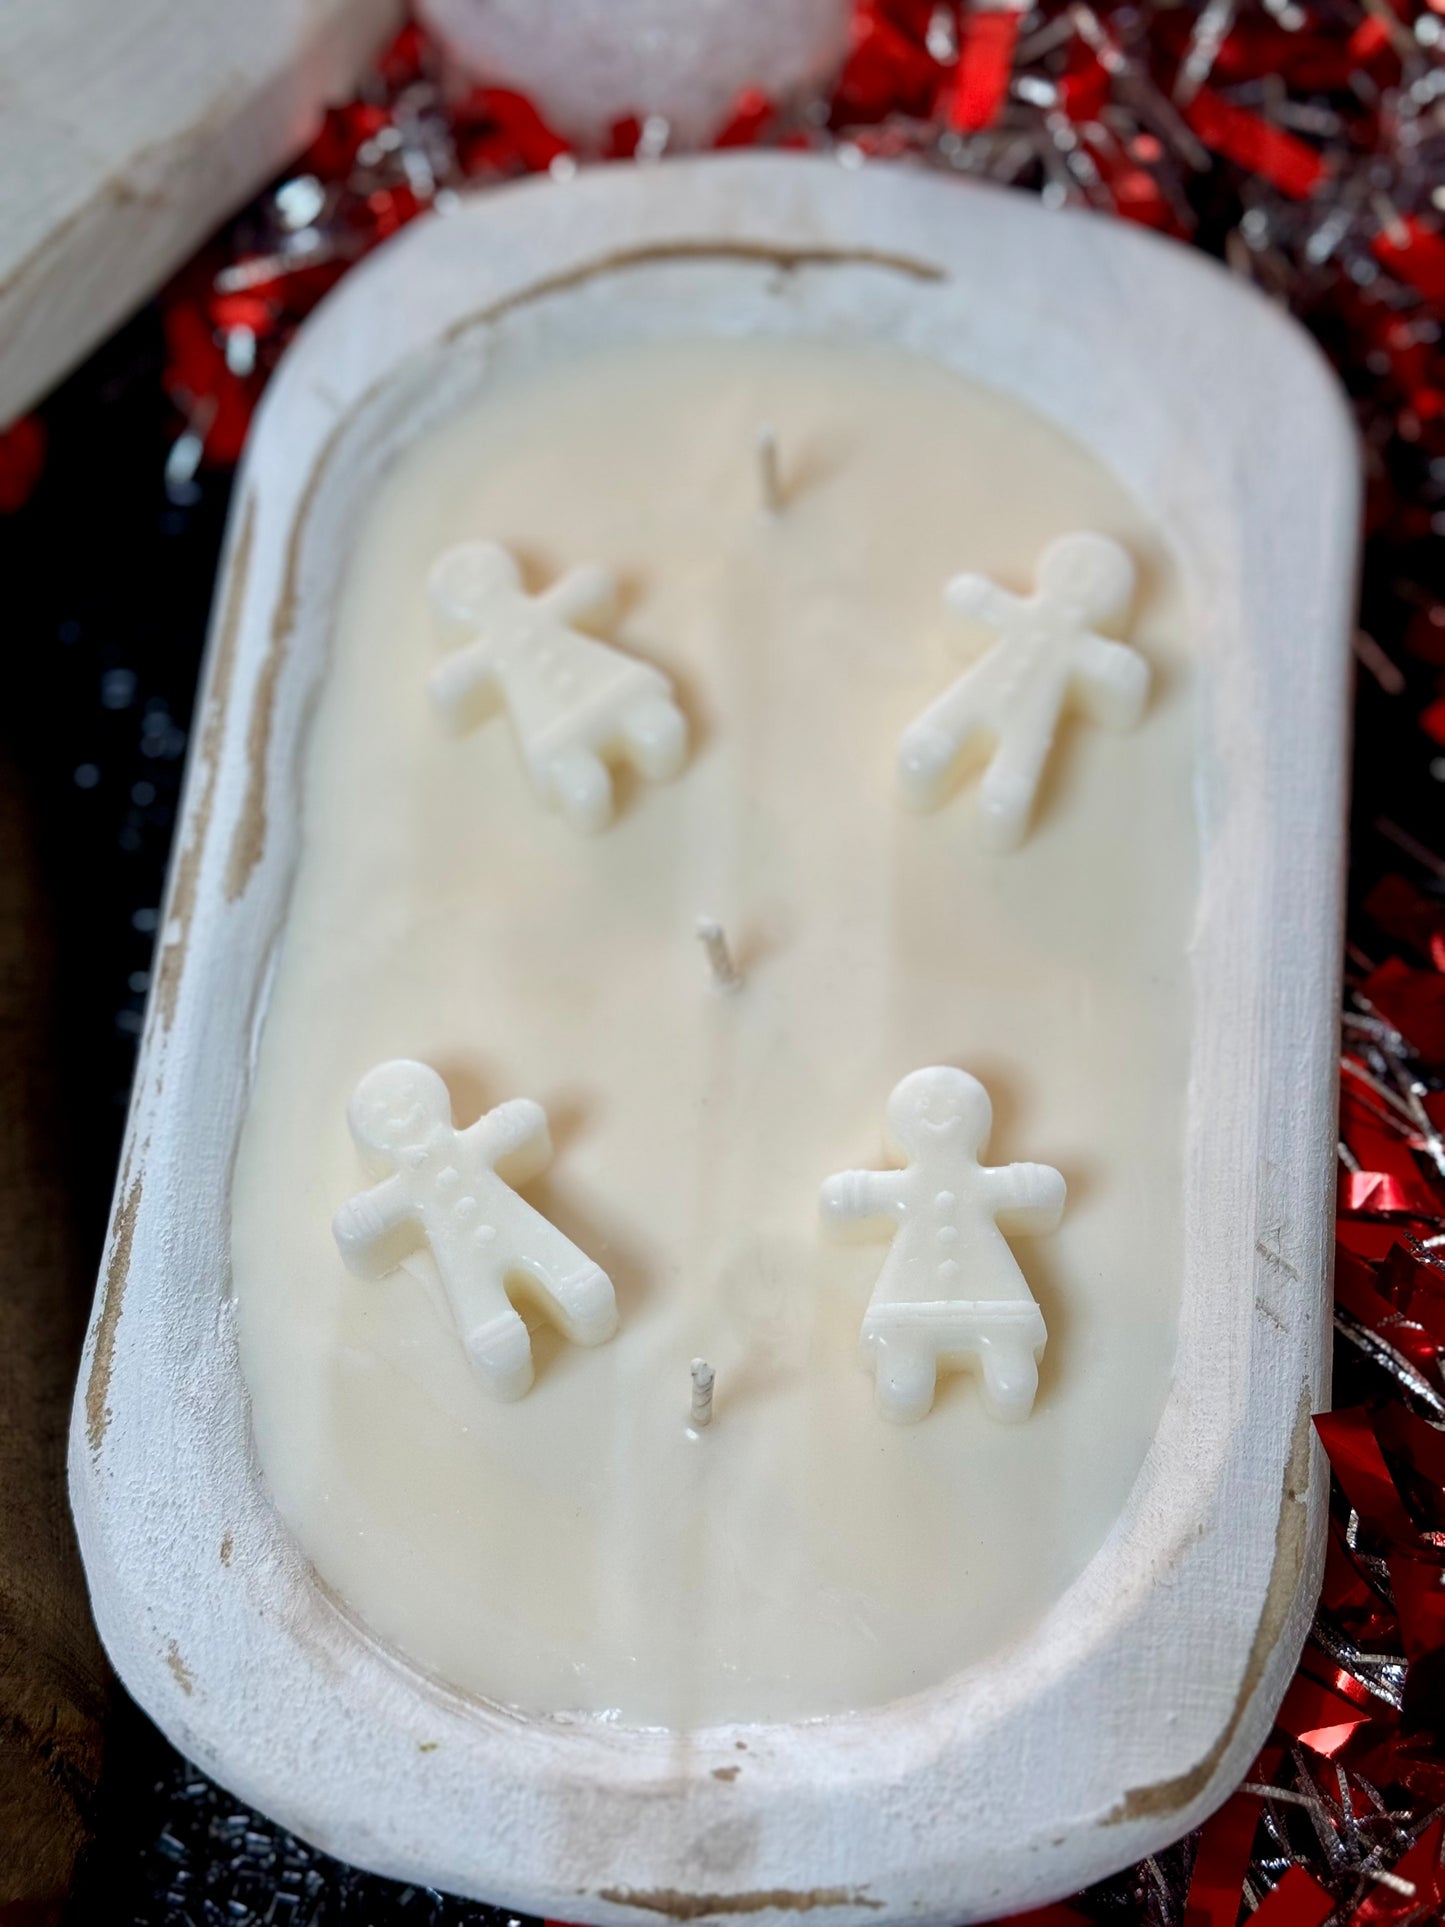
(931, 748)
(576, 1295)
(575, 779)
(1011, 781)
(572, 1291)
(905, 1374)
(492, 1330)
(1010, 1376)
(500, 1348)
(654, 734)
(580, 1302)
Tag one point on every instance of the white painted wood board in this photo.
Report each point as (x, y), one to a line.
(1125, 1716)
(128, 133)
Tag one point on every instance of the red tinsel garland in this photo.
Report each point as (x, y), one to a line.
(1304, 140)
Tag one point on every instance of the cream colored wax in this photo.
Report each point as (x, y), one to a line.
(580, 1550)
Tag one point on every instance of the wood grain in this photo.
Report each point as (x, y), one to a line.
(52, 1674)
(128, 133)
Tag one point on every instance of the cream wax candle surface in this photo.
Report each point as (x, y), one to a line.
(586, 1549)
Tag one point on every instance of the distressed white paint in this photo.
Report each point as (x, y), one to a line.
(1133, 1708)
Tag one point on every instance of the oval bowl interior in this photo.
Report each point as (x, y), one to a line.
(1127, 1714)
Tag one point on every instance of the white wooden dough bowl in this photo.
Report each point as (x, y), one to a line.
(1124, 1717)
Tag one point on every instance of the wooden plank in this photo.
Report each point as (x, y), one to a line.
(128, 133)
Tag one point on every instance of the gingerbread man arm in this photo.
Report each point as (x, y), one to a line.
(858, 1206)
(377, 1229)
(584, 598)
(1026, 1198)
(977, 599)
(1110, 681)
(515, 1140)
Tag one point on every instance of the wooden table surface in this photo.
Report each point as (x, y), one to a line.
(52, 1676)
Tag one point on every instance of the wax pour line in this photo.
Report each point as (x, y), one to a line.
(769, 484)
(702, 1383)
(712, 937)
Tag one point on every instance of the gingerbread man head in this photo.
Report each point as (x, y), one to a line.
(939, 1109)
(396, 1110)
(1089, 575)
(466, 579)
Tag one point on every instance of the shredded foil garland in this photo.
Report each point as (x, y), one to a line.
(1303, 141)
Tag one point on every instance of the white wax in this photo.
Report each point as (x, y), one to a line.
(579, 1550)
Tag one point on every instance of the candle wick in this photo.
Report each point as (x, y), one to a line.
(772, 493)
(725, 973)
(702, 1382)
